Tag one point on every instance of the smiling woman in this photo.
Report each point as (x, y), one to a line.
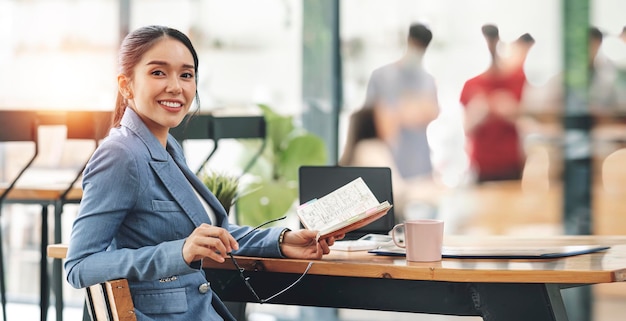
(162, 85)
(156, 220)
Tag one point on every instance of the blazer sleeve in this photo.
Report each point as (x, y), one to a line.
(111, 186)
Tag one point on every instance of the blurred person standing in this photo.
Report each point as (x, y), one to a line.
(364, 148)
(620, 73)
(391, 128)
(607, 90)
(606, 83)
(602, 75)
(403, 96)
(492, 104)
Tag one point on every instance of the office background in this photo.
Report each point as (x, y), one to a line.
(61, 54)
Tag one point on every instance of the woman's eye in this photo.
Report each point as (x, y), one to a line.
(187, 75)
(158, 73)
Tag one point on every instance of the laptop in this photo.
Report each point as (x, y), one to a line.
(317, 181)
(519, 252)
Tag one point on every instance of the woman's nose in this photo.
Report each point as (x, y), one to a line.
(173, 85)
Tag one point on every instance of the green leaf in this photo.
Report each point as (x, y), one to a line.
(223, 186)
(272, 200)
(275, 172)
(307, 149)
(279, 127)
(263, 165)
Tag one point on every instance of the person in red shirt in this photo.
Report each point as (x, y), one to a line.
(492, 105)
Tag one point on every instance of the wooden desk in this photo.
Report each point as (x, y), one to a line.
(38, 194)
(494, 289)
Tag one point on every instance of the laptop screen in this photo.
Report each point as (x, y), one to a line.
(317, 181)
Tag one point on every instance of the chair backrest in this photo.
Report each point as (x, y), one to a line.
(317, 181)
(80, 124)
(18, 126)
(208, 126)
(87, 125)
(110, 301)
(194, 126)
(21, 125)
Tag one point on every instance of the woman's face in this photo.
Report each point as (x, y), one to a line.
(162, 87)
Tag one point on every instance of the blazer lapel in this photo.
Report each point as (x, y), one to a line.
(220, 213)
(180, 190)
(171, 176)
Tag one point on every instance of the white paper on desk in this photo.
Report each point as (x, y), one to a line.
(354, 245)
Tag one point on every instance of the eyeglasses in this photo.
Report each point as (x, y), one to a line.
(246, 279)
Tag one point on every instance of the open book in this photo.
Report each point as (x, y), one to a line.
(347, 208)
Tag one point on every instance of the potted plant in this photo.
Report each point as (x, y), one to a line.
(224, 186)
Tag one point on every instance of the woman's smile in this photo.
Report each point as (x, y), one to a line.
(171, 105)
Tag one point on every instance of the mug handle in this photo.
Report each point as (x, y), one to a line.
(393, 235)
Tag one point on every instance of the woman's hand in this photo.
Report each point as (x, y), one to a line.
(302, 244)
(208, 241)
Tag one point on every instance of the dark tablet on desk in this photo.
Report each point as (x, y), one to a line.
(468, 252)
(317, 181)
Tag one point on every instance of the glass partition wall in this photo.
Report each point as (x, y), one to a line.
(373, 34)
(252, 52)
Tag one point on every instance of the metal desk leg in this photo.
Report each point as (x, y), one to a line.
(578, 302)
(57, 266)
(237, 309)
(45, 289)
(519, 302)
(86, 316)
(3, 291)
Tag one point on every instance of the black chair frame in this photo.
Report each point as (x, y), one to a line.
(208, 126)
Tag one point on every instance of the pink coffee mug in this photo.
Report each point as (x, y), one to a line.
(423, 239)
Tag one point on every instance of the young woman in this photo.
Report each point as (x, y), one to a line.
(144, 215)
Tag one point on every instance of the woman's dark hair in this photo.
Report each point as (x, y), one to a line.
(134, 46)
(360, 127)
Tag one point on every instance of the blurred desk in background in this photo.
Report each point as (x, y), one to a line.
(45, 196)
(536, 208)
(48, 130)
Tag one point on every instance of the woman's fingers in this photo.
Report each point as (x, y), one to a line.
(209, 241)
(324, 246)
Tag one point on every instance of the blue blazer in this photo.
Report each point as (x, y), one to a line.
(137, 209)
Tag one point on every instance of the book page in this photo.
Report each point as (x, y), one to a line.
(342, 204)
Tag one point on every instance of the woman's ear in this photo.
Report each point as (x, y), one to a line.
(123, 84)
